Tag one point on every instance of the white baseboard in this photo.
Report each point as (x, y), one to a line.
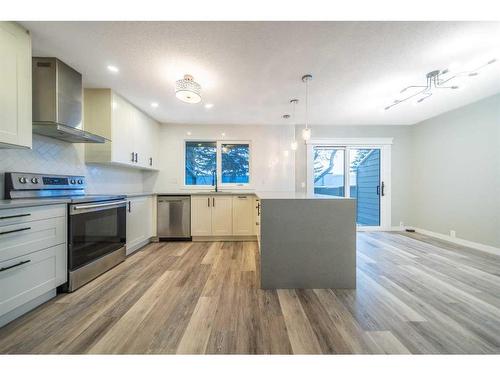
(379, 229)
(460, 241)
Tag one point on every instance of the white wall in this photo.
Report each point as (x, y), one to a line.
(456, 173)
(57, 157)
(401, 157)
(271, 169)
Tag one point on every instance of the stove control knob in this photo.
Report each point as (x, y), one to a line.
(72, 181)
(80, 182)
(34, 180)
(23, 180)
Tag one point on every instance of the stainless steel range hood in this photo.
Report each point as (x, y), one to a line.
(58, 101)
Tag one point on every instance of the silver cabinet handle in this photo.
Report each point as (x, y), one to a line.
(208, 200)
(242, 197)
(14, 265)
(213, 202)
(133, 157)
(136, 154)
(129, 206)
(14, 216)
(86, 206)
(151, 161)
(15, 230)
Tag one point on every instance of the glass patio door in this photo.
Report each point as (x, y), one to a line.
(365, 185)
(353, 171)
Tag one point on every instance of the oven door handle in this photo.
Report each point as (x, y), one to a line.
(85, 207)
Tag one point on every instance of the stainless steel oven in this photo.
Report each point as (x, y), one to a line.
(96, 223)
(96, 239)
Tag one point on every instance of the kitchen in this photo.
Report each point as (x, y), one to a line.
(157, 205)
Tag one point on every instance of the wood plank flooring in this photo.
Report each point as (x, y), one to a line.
(415, 294)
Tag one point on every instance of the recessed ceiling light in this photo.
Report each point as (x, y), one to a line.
(188, 133)
(154, 105)
(208, 105)
(223, 134)
(113, 69)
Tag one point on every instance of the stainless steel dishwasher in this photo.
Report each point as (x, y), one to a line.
(174, 217)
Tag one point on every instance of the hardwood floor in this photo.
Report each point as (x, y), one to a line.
(415, 294)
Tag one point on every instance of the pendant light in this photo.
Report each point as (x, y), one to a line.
(188, 90)
(294, 143)
(306, 132)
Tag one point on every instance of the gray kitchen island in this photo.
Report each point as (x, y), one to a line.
(307, 241)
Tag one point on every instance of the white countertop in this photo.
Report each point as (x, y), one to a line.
(19, 203)
(293, 195)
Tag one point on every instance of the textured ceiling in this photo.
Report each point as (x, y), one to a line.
(249, 70)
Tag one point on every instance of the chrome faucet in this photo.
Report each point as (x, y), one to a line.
(214, 180)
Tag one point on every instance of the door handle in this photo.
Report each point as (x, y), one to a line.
(129, 206)
(15, 231)
(136, 157)
(383, 188)
(14, 265)
(378, 189)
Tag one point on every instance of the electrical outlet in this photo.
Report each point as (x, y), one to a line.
(401, 224)
(453, 234)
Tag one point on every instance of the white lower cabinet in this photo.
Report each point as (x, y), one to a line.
(29, 276)
(33, 257)
(201, 216)
(243, 220)
(139, 222)
(222, 215)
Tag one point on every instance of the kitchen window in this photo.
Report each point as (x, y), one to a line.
(224, 162)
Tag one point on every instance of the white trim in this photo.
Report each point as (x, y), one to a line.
(460, 241)
(378, 229)
(350, 141)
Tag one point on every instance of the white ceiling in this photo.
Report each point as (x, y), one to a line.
(249, 70)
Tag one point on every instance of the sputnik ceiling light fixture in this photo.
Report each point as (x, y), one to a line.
(306, 132)
(437, 79)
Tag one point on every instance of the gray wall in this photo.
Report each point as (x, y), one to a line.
(456, 173)
(401, 160)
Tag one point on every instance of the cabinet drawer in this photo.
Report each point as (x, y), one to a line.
(26, 214)
(24, 238)
(27, 277)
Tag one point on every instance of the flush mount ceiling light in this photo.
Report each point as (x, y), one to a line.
(306, 132)
(188, 90)
(437, 79)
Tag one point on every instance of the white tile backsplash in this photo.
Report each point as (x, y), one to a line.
(57, 157)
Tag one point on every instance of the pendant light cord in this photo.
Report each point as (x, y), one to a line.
(307, 103)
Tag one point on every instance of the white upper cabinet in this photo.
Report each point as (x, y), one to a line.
(15, 86)
(133, 136)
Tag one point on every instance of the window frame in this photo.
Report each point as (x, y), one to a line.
(218, 156)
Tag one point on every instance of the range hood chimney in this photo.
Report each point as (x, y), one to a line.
(57, 102)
